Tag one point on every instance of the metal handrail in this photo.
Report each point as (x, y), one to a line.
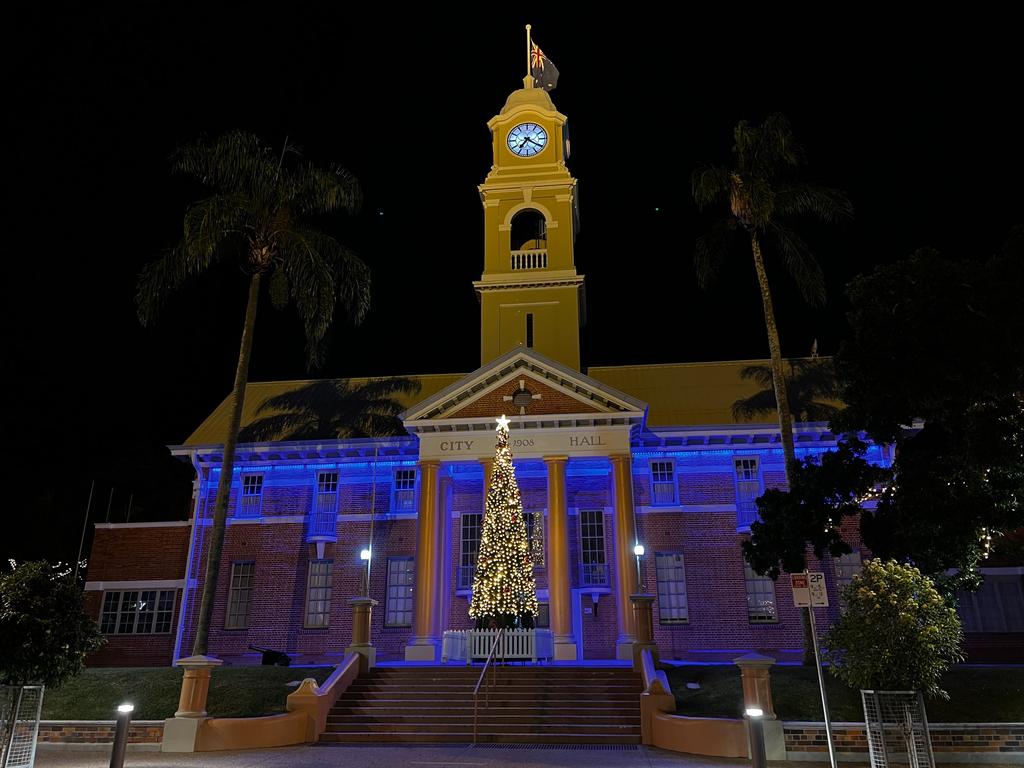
(479, 682)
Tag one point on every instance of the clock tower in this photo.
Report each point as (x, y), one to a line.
(530, 293)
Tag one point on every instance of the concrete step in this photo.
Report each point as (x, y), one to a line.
(537, 696)
(483, 737)
(462, 708)
(490, 716)
(458, 728)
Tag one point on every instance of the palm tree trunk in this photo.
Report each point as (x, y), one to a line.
(220, 507)
(782, 401)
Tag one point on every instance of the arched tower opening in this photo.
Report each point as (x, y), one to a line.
(528, 240)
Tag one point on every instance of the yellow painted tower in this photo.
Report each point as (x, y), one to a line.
(530, 293)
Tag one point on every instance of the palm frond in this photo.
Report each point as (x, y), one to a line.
(314, 190)
(282, 426)
(824, 203)
(800, 263)
(709, 184)
(712, 249)
(759, 374)
(746, 408)
(235, 162)
(212, 223)
(159, 279)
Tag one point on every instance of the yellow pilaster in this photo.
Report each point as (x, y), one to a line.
(558, 561)
(625, 564)
(443, 562)
(488, 465)
(426, 641)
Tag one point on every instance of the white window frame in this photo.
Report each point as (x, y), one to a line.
(673, 607)
(663, 478)
(240, 589)
(126, 612)
(318, 594)
(403, 490)
(401, 575)
(847, 566)
(593, 560)
(760, 608)
(250, 495)
(749, 483)
(469, 547)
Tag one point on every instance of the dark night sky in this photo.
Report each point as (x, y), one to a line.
(916, 119)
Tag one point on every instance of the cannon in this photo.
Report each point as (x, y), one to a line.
(272, 657)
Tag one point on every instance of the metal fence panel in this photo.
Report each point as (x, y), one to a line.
(20, 708)
(897, 729)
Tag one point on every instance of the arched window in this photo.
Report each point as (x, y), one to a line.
(528, 240)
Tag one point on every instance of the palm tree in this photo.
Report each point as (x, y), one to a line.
(762, 190)
(254, 219)
(333, 408)
(810, 385)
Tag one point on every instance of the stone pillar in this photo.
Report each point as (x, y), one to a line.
(426, 642)
(362, 608)
(625, 560)
(444, 561)
(559, 593)
(182, 730)
(488, 465)
(756, 677)
(643, 621)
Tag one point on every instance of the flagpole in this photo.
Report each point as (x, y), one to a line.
(529, 53)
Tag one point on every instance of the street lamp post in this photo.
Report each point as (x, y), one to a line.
(124, 719)
(638, 550)
(755, 722)
(365, 555)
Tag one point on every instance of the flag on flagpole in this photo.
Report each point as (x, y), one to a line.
(545, 74)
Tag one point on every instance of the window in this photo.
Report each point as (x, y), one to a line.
(535, 536)
(240, 595)
(318, 593)
(146, 611)
(405, 491)
(543, 616)
(997, 606)
(398, 611)
(252, 496)
(323, 522)
(760, 597)
(748, 488)
(469, 547)
(672, 608)
(529, 329)
(594, 571)
(847, 566)
(663, 482)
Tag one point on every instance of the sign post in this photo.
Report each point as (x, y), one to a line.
(809, 592)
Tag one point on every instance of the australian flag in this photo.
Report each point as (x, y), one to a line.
(545, 74)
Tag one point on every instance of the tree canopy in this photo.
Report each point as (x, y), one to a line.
(45, 633)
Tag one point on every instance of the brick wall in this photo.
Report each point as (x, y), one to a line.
(130, 553)
(98, 732)
(494, 404)
(1001, 738)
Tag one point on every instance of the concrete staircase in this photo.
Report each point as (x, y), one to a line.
(529, 704)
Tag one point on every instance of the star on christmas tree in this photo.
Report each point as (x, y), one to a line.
(504, 590)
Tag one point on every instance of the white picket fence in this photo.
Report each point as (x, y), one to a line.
(514, 644)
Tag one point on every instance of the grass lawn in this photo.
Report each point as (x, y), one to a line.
(976, 695)
(234, 692)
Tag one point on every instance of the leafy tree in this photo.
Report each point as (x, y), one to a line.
(763, 192)
(333, 408)
(255, 218)
(45, 633)
(935, 339)
(811, 387)
(897, 633)
(824, 490)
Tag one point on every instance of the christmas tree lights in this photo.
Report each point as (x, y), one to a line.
(504, 590)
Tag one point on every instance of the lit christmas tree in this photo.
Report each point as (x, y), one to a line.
(504, 590)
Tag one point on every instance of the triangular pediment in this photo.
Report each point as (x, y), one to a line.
(531, 389)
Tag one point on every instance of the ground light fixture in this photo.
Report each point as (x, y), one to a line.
(364, 554)
(124, 718)
(755, 724)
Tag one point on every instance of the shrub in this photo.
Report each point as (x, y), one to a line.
(896, 631)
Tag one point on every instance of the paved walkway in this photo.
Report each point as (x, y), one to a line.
(416, 756)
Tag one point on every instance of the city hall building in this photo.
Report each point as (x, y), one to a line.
(605, 459)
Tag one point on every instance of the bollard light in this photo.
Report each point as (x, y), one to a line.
(364, 555)
(755, 724)
(124, 718)
(638, 550)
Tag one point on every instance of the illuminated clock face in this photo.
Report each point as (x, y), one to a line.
(527, 139)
